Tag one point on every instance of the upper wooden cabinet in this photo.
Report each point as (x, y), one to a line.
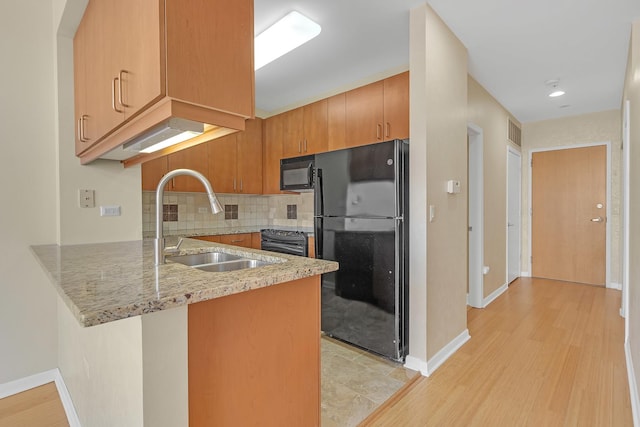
(152, 172)
(305, 130)
(377, 112)
(273, 152)
(235, 161)
(139, 62)
(195, 158)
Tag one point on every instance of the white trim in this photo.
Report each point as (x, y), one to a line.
(416, 364)
(626, 214)
(608, 196)
(40, 379)
(525, 274)
(495, 294)
(446, 352)
(633, 386)
(614, 285)
(475, 277)
(518, 153)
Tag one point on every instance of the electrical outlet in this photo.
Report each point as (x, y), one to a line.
(86, 198)
(110, 210)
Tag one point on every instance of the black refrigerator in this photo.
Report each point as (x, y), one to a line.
(361, 221)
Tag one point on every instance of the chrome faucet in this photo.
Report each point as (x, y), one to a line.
(159, 240)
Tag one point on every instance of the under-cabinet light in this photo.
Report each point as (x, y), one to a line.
(171, 132)
(282, 37)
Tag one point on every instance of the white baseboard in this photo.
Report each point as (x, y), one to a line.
(614, 285)
(633, 386)
(446, 352)
(525, 274)
(495, 294)
(37, 380)
(416, 364)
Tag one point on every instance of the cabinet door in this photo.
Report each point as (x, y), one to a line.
(138, 64)
(195, 158)
(336, 122)
(364, 114)
(311, 247)
(396, 107)
(152, 172)
(293, 136)
(242, 239)
(315, 127)
(256, 240)
(249, 149)
(222, 164)
(84, 139)
(215, 239)
(273, 132)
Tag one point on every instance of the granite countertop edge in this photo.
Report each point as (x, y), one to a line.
(84, 277)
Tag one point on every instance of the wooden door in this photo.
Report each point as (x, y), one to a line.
(336, 122)
(195, 158)
(222, 164)
(364, 114)
(273, 132)
(293, 133)
(249, 149)
(138, 64)
(396, 107)
(315, 128)
(569, 215)
(152, 172)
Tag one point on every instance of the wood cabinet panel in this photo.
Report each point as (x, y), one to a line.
(396, 107)
(315, 127)
(222, 164)
(254, 357)
(256, 240)
(336, 122)
(364, 114)
(241, 239)
(195, 158)
(293, 133)
(215, 239)
(152, 172)
(311, 247)
(273, 135)
(249, 158)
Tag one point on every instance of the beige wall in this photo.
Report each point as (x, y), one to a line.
(632, 93)
(28, 340)
(485, 112)
(438, 140)
(604, 126)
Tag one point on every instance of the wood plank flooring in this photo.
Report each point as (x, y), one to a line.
(38, 407)
(546, 353)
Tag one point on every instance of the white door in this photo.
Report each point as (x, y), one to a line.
(514, 167)
(476, 208)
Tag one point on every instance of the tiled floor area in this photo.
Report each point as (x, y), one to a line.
(355, 383)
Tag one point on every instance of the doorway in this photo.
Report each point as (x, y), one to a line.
(514, 220)
(476, 216)
(570, 207)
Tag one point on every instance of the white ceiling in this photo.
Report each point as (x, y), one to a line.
(514, 46)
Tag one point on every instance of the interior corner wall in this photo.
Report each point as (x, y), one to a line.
(632, 94)
(446, 142)
(493, 118)
(28, 341)
(565, 132)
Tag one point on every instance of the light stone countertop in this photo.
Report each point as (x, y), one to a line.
(104, 282)
(233, 230)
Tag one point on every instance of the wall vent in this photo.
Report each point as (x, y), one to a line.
(515, 134)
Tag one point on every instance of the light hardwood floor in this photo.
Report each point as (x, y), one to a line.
(545, 353)
(38, 407)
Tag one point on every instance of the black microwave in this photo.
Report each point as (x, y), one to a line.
(296, 173)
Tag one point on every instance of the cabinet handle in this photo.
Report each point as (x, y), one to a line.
(173, 183)
(241, 185)
(305, 145)
(81, 128)
(387, 131)
(120, 80)
(113, 95)
(237, 241)
(379, 131)
(234, 184)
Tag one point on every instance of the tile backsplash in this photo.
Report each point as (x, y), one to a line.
(194, 211)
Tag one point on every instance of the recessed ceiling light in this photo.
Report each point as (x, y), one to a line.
(282, 37)
(553, 85)
(556, 93)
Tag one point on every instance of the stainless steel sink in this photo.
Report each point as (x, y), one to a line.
(204, 258)
(217, 261)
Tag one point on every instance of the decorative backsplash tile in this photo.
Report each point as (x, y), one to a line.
(169, 212)
(230, 211)
(292, 211)
(194, 211)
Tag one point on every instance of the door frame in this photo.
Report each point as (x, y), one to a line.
(608, 283)
(626, 213)
(512, 150)
(475, 277)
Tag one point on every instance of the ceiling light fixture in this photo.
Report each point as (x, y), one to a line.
(282, 37)
(553, 84)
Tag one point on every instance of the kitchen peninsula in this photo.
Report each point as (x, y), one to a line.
(249, 351)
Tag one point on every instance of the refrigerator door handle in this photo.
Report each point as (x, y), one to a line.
(318, 194)
(318, 237)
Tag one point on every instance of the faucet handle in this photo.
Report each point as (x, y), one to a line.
(174, 249)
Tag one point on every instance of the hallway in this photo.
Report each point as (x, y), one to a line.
(545, 353)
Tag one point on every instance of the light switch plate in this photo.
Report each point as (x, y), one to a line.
(110, 210)
(86, 198)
